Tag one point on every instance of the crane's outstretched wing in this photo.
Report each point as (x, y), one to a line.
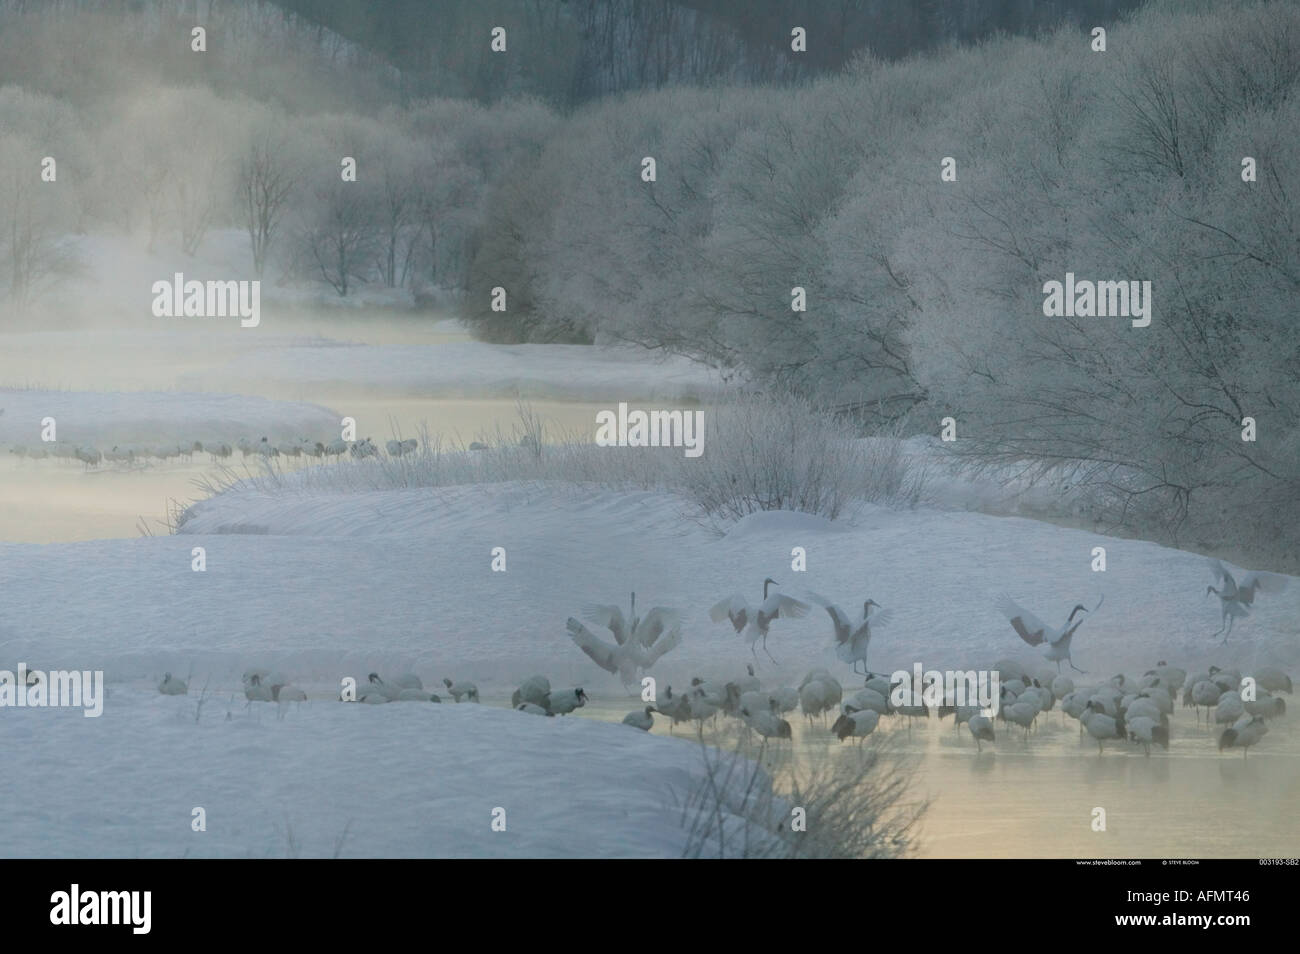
(733, 608)
(601, 653)
(839, 619)
(1226, 581)
(655, 623)
(873, 622)
(1267, 582)
(844, 631)
(652, 654)
(611, 617)
(1028, 626)
(778, 604)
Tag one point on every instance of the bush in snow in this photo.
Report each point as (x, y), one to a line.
(779, 452)
(767, 453)
(854, 805)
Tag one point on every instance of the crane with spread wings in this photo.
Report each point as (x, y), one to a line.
(639, 642)
(1054, 642)
(1238, 598)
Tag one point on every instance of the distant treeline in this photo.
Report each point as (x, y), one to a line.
(571, 51)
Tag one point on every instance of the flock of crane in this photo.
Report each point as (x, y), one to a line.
(1138, 711)
(1120, 709)
(217, 451)
(263, 685)
(1123, 709)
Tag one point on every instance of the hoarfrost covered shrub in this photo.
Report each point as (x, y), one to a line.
(765, 453)
(854, 806)
(778, 452)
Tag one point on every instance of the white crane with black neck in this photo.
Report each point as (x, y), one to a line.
(639, 642)
(1054, 643)
(752, 622)
(1237, 598)
(852, 637)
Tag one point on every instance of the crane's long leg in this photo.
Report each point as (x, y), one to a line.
(1076, 668)
(766, 650)
(1231, 620)
(1223, 624)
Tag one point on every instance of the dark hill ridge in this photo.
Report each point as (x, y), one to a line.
(587, 48)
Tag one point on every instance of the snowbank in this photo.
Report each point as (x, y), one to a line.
(325, 779)
(324, 586)
(474, 369)
(104, 419)
(329, 585)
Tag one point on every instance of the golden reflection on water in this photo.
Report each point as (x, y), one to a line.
(52, 501)
(1035, 798)
(57, 501)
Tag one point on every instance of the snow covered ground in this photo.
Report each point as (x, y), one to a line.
(117, 274)
(475, 369)
(323, 779)
(103, 419)
(308, 339)
(274, 362)
(324, 586)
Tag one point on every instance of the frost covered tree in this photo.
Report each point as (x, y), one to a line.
(41, 155)
(1141, 180)
(342, 237)
(266, 180)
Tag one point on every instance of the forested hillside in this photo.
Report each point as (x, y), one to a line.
(1169, 158)
(869, 229)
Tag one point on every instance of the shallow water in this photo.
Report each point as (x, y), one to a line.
(1030, 798)
(1036, 798)
(50, 501)
(56, 501)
